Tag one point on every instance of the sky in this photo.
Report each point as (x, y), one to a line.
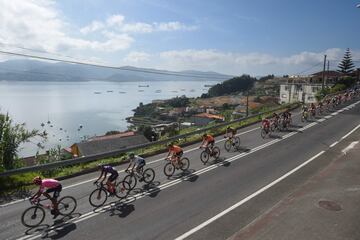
(255, 37)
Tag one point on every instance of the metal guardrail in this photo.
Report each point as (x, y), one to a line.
(94, 157)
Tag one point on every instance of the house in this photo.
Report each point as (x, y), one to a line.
(330, 76)
(299, 92)
(203, 119)
(102, 144)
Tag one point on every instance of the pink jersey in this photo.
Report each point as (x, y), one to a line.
(48, 183)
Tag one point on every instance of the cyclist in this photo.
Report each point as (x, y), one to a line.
(230, 132)
(105, 169)
(136, 161)
(175, 151)
(52, 185)
(208, 141)
(266, 124)
(275, 119)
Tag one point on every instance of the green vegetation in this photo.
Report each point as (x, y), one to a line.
(346, 65)
(12, 135)
(236, 84)
(182, 101)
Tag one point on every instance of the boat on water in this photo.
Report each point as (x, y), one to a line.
(209, 85)
(192, 90)
(158, 91)
(144, 86)
(97, 92)
(174, 91)
(109, 91)
(122, 92)
(140, 90)
(183, 89)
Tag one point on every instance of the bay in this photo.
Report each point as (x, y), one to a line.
(78, 109)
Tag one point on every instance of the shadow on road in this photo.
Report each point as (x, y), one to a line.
(121, 210)
(58, 233)
(243, 149)
(272, 136)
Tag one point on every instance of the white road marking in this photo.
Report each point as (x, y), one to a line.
(332, 145)
(351, 146)
(174, 182)
(219, 215)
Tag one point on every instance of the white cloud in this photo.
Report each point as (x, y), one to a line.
(38, 24)
(117, 23)
(115, 20)
(252, 63)
(93, 27)
(137, 28)
(136, 57)
(173, 26)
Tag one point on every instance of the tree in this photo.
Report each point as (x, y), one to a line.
(346, 65)
(236, 84)
(11, 137)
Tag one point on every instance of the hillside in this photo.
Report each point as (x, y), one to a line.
(29, 70)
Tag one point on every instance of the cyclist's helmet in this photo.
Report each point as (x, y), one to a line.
(131, 155)
(170, 144)
(37, 180)
(205, 134)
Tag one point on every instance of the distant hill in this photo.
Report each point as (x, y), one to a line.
(30, 70)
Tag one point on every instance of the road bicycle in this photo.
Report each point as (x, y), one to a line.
(173, 163)
(304, 116)
(207, 153)
(98, 197)
(231, 142)
(35, 215)
(146, 175)
(265, 130)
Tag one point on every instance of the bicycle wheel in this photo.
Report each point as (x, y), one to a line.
(67, 205)
(263, 133)
(237, 142)
(216, 152)
(33, 216)
(122, 189)
(185, 164)
(169, 169)
(204, 157)
(132, 180)
(98, 197)
(149, 175)
(227, 145)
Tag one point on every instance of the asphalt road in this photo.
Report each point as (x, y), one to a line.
(192, 204)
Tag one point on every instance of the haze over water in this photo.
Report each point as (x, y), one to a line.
(67, 105)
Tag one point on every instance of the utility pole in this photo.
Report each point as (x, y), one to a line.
(327, 71)
(323, 73)
(247, 103)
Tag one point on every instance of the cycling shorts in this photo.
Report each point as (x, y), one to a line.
(113, 176)
(56, 190)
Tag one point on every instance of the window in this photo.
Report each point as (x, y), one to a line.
(287, 88)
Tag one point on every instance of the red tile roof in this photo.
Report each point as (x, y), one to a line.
(106, 137)
(208, 115)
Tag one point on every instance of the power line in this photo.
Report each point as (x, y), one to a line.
(308, 69)
(113, 67)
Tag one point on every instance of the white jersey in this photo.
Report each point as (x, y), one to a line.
(137, 160)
